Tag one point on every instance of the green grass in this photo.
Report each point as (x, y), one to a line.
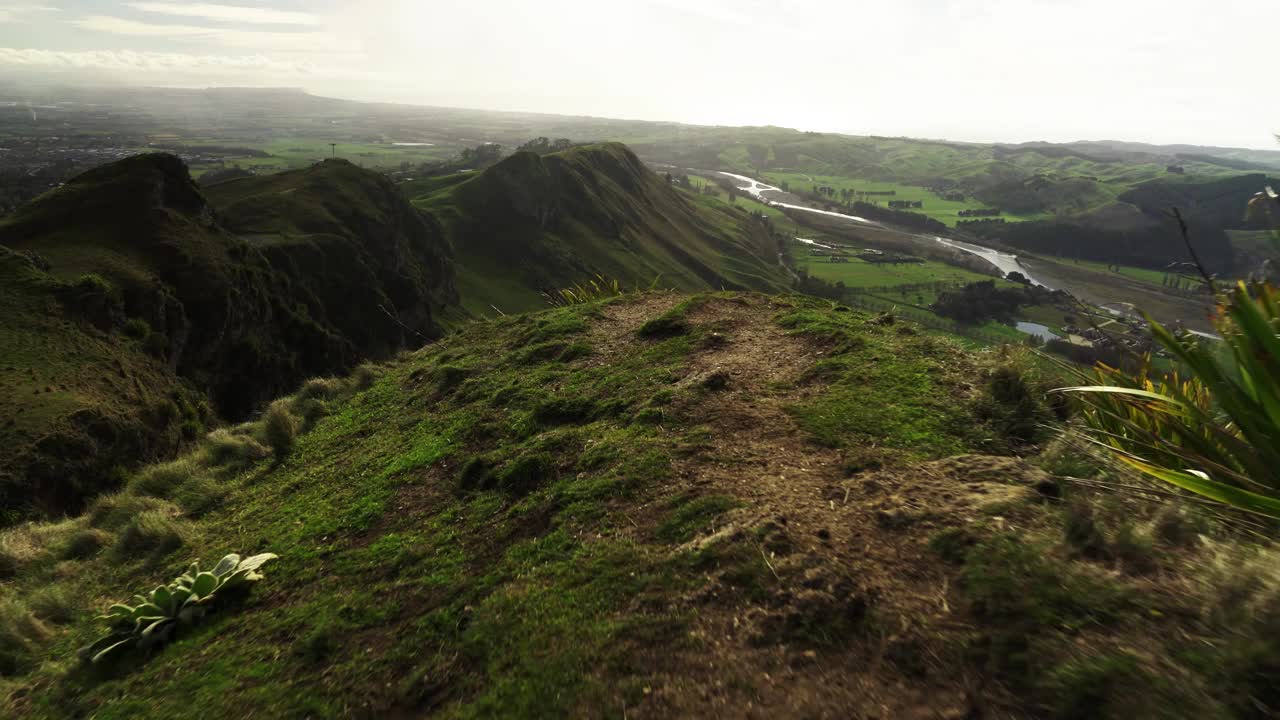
(516, 616)
(887, 389)
(934, 206)
(1154, 277)
(858, 273)
(490, 596)
(486, 530)
(299, 152)
(534, 224)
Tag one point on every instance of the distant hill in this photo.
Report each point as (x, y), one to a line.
(135, 312)
(537, 223)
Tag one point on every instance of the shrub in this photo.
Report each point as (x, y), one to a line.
(85, 543)
(184, 601)
(224, 448)
(1212, 433)
(153, 533)
(137, 328)
(21, 634)
(280, 429)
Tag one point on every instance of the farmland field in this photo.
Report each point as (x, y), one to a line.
(947, 211)
(858, 273)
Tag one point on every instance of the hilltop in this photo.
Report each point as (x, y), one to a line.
(533, 224)
(658, 505)
(136, 313)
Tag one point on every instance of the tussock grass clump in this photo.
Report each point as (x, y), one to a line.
(1176, 526)
(22, 635)
(1013, 406)
(363, 377)
(309, 411)
(565, 411)
(1065, 458)
(321, 389)
(447, 378)
(25, 544)
(10, 562)
(231, 449)
(476, 474)
(85, 543)
(199, 495)
(554, 351)
(664, 326)
(526, 473)
(114, 512)
(55, 604)
(161, 480)
(280, 429)
(153, 533)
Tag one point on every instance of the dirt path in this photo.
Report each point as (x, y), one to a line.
(845, 559)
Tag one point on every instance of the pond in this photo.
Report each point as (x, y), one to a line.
(1040, 331)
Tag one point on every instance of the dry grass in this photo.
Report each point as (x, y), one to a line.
(280, 428)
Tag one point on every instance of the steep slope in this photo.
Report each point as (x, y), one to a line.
(142, 303)
(532, 224)
(727, 505)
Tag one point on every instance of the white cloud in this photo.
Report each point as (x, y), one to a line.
(309, 42)
(229, 13)
(23, 12)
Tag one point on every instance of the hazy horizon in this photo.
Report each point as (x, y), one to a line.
(963, 70)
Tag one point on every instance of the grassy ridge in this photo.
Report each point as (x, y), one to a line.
(513, 523)
(531, 224)
(464, 557)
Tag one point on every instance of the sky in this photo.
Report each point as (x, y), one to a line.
(1164, 71)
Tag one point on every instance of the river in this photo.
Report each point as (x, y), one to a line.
(758, 189)
(1004, 262)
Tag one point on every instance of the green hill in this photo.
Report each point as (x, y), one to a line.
(532, 224)
(135, 312)
(658, 506)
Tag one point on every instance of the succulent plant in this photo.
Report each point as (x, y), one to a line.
(154, 618)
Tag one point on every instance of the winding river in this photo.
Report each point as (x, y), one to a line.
(1004, 262)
